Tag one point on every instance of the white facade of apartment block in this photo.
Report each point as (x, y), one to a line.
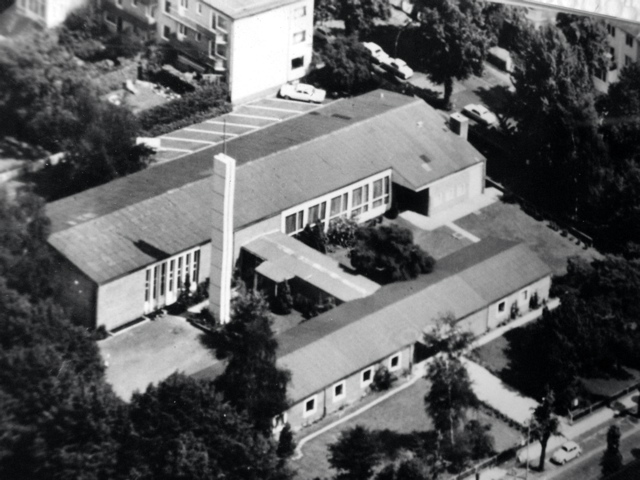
(48, 13)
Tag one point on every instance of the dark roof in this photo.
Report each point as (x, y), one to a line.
(360, 333)
(101, 230)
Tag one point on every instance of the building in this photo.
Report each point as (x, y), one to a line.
(333, 359)
(127, 247)
(47, 13)
(623, 48)
(257, 45)
(135, 16)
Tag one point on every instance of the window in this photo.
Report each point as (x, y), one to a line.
(184, 3)
(167, 6)
(357, 197)
(223, 24)
(166, 32)
(501, 306)
(314, 214)
(163, 276)
(187, 265)
(300, 12)
(355, 212)
(300, 220)
(612, 30)
(310, 406)
(182, 29)
(179, 275)
(394, 362)
(339, 391)
(525, 294)
(196, 267)
(172, 265)
(146, 285)
(627, 60)
(221, 50)
(213, 21)
(335, 206)
(290, 224)
(222, 38)
(297, 62)
(198, 36)
(199, 8)
(629, 40)
(377, 188)
(299, 37)
(155, 282)
(367, 377)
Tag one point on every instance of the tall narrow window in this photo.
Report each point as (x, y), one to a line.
(196, 267)
(155, 282)
(187, 263)
(146, 285)
(172, 265)
(323, 211)
(300, 220)
(167, 6)
(345, 201)
(179, 276)
(163, 276)
(290, 223)
(335, 206)
(357, 197)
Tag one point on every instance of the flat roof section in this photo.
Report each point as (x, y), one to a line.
(286, 258)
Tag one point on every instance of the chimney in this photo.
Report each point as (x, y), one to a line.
(224, 185)
(459, 124)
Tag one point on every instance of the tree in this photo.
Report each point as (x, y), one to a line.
(286, 443)
(612, 459)
(455, 46)
(182, 429)
(347, 67)
(387, 254)
(544, 424)
(589, 34)
(557, 122)
(251, 382)
(450, 394)
(283, 301)
(359, 15)
(355, 454)
(314, 237)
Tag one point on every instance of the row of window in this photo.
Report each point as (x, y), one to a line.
(171, 275)
(449, 194)
(217, 22)
(340, 388)
(36, 6)
(502, 306)
(339, 206)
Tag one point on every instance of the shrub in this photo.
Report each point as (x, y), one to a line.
(534, 301)
(283, 301)
(205, 102)
(314, 237)
(342, 232)
(515, 311)
(383, 379)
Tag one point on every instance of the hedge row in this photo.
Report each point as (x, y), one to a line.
(206, 102)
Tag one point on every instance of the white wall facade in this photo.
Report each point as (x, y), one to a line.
(270, 49)
(456, 188)
(500, 311)
(49, 13)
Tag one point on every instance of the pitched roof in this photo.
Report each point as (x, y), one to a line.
(102, 229)
(360, 333)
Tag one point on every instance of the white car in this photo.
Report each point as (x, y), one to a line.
(481, 114)
(399, 68)
(377, 54)
(303, 92)
(566, 452)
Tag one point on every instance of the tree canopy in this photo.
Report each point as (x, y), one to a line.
(544, 423)
(387, 254)
(251, 381)
(358, 15)
(454, 44)
(355, 454)
(612, 459)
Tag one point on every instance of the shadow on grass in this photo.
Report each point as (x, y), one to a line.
(392, 443)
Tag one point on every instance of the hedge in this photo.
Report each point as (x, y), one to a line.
(206, 102)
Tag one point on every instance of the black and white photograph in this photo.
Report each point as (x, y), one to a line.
(319, 239)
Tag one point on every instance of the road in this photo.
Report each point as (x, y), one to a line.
(587, 467)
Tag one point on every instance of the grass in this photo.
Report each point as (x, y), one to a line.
(403, 413)
(509, 222)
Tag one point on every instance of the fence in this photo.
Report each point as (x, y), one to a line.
(602, 403)
(489, 462)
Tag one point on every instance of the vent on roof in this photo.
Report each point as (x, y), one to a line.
(343, 117)
(425, 159)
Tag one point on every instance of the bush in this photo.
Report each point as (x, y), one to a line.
(383, 379)
(515, 311)
(314, 237)
(206, 102)
(283, 301)
(534, 301)
(342, 232)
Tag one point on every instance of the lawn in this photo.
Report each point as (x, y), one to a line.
(402, 413)
(509, 222)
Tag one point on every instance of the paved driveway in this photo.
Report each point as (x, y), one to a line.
(242, 120)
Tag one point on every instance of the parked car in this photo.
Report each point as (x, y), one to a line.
(302, 92)
(323, 35)
(376, 53)
(481, 114)
(399, 68)
(566, 453)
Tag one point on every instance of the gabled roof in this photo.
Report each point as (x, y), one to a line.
(360, 333)
(166, 207)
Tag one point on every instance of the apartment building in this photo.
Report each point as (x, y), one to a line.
(47, 13)
(137, 16)
(623, 49)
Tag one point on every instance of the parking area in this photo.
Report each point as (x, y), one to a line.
(242, 120)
